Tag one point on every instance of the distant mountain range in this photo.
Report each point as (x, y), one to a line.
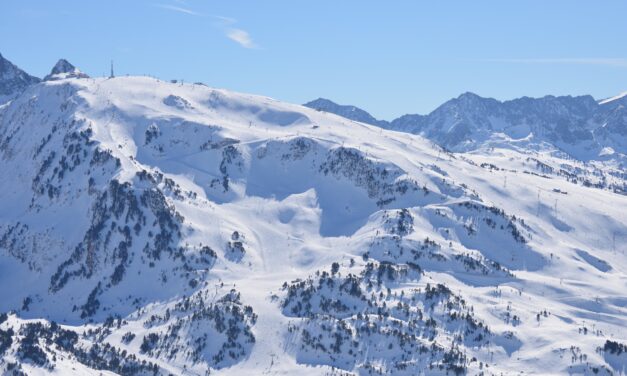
(581, 126)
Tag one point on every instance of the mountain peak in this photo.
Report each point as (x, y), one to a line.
(347, 111)
(324, 104)
(469, 95)
(468, 103)
(64, 69)
(13, 80)
(63, 66)
(320, 101)
(472, 98)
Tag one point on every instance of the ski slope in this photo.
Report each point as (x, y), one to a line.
(250, 236)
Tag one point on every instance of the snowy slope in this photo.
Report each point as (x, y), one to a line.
(171, 228)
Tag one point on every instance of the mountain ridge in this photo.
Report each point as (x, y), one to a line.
(13, 80)
(577, 125)
(161, 228)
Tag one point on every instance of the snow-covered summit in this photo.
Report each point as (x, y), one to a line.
(64, 69)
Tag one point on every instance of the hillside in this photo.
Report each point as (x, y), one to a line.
(149, 227)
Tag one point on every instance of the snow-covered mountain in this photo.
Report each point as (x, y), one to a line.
(347, 111)
(64, 69)
(149, 227)
(13, 80)
(582, 127)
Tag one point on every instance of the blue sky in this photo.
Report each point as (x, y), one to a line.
(388, 57)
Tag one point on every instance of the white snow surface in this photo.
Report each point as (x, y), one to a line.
(297, 190)
(614, 98)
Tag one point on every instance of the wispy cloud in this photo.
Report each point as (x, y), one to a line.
(224, 20)
(224, 24)
(178, 9)
(241, 37)
(610, 62)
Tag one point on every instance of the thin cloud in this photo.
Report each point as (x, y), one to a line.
(225, 24)
(179, 9)
(610, 62)
(224, 20)
(241, 37)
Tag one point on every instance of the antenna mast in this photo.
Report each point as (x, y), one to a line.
(112, 75)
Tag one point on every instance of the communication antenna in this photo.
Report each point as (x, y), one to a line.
(111, 75)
